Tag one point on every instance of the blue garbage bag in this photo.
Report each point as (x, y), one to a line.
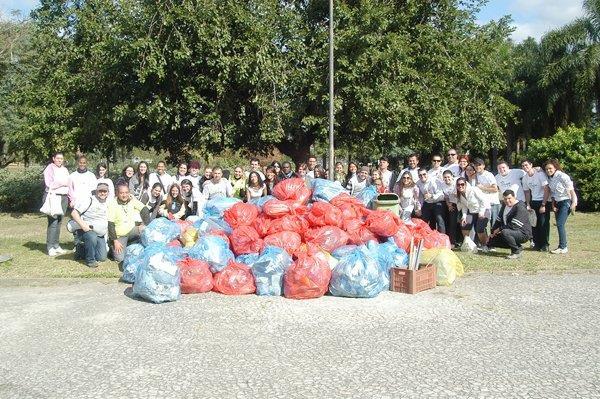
(134, 255)
(358, 275)
(343, 251)
(214, 250)
(157, 279)
(367, 195)
(259, 202)
(268, 270)
(399, 256)
(208, 224)
(217, 206)
(247, 259)
(160, 230)
(326, 190)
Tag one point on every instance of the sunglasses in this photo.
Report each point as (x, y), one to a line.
(102, 191)
(460, 184)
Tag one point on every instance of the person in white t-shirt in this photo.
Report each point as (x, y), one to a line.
(218, 186)
(102, 177)
(486, 182)
(562, 191)
(385, 174)
(436, 171)
(161, 177)
(413, 167)
(451, 216)
(91, 216)
(82, 182)
(312, 164)
(510, 179)
(533, 183)
(452, 165)
(431, 197)
(255, 167)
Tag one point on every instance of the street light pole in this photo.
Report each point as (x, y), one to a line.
(331, 108)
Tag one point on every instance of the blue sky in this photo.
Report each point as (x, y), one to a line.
(530, 17)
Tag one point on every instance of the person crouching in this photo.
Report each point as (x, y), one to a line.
(512, 227)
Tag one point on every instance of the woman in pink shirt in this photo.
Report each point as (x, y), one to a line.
(56, 179)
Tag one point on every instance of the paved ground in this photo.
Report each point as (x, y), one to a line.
(488, 336)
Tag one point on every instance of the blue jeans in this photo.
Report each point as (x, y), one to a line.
(91, 247)
(562, 213)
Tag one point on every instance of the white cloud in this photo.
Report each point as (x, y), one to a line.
(536, 17)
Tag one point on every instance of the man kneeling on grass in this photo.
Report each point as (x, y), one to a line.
(90, 217)
(125, 215)
(512, 227)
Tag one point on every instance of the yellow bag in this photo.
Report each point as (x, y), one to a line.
(189, 237)
(448, 265)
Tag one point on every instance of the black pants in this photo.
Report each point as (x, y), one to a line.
(433, 213)
(541, 232)
(452, 225)
(508, 238)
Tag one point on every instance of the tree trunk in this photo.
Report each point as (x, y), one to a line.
(298, 150)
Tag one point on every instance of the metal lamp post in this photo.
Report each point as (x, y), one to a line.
(331, 108)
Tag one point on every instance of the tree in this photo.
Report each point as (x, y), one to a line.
(211, 75)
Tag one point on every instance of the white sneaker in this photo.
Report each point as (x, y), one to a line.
(52, 252)
(60, 251)
(560, 251)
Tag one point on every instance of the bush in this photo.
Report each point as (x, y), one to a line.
(21, 190)
(577, 150)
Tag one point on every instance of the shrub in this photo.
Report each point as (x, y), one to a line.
(577, 150)
(21, 190)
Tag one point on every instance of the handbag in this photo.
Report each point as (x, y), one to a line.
(532, 218)
(52, 205)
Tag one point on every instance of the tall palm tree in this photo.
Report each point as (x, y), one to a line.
(571, 76)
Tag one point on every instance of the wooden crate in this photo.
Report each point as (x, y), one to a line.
(413, 281)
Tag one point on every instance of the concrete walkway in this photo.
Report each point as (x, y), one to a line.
(492, 336)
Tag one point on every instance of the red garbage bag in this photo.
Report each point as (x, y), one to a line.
(288, 240)
(307, 278)
(183, 225)
(262, 224)
(402, 238)
(324, 214)
(174, 243)
(307, 249)
(327, 237)
(436, 240)
(276, 208)
(420, 224)
(241, 214)
(288, 223)
(235, 279)
(358, 233)
(195, 276)
(245, 240)
(292, 189)
(350, 206)
(383, 223)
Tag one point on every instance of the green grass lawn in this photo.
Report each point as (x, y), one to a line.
(23, 237)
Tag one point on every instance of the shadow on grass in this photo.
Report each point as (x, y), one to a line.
(36, 246)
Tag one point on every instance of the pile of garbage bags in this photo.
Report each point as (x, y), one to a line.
(301, 243)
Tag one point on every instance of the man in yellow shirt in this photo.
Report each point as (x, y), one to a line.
(124, 221)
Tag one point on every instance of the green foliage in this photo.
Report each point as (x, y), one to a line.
(204, 76)
(21, 190)
(577, 150)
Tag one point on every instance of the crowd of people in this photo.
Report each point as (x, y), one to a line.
(458, 197)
